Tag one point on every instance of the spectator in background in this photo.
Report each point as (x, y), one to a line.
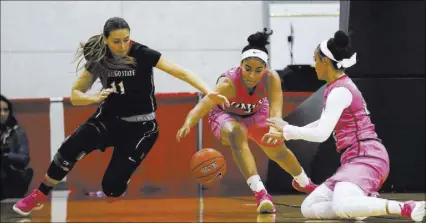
(15, 173)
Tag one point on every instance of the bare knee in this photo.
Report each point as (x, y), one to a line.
(112, 188)
(234, 135)
(278, 153)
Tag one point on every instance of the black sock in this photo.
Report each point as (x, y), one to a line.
(45, 189)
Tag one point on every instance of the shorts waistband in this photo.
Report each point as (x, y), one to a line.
(140, 118)
(358, 141)
(241, 116)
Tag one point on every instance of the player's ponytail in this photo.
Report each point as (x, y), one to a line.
(94, 50)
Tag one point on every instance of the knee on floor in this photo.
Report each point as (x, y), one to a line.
(113, 189)
(307, 210)
(338, 208)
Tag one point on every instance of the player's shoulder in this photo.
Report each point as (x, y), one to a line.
(272, 72)
(144, 53)
(225, 80)
(225, 86)
(340, 93)
(271, 76)
(137, 47)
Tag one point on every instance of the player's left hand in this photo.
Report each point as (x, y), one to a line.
(268, 139)
(274, 135)
(219, 99)
(277, 123)
(183, 132)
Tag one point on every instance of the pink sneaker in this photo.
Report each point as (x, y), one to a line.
(264, 202)
(413, 210)
(32, 202)
(306, 189)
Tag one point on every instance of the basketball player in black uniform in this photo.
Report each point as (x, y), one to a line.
(125, 118)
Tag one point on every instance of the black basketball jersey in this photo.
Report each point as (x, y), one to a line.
(134, 86)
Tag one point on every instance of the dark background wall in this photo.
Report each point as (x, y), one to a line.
(389, 39)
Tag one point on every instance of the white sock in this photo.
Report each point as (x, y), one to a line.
(255, 183)
(302, 179)
(394, 207)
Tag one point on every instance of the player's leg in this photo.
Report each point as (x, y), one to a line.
(284, 157)
(350, 201)
(228, 130)
(84, 140)
(128, 155)
(319, 204)
(356, 184)
(233, 134)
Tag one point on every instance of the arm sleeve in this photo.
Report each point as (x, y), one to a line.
(338, 100)
(312, 124)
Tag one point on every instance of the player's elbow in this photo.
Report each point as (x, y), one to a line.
(322, 137)
(75, 98)
(319, 137)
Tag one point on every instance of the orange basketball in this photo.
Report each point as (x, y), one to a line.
(208, 166)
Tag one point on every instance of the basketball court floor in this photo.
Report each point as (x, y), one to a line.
(207, 209)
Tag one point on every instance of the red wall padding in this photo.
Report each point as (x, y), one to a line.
(33, 115)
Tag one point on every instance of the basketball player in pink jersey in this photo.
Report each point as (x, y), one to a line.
(255, 94)
(352, 191)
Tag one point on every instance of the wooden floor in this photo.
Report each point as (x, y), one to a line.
(210, 209)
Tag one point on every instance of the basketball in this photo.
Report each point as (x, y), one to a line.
(208, 166)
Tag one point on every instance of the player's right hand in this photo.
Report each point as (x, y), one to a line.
(183, 132)
(277, 123)
(104, 94)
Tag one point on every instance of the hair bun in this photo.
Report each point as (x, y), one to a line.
(341, 39)
(260, 39)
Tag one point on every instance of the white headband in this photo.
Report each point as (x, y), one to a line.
(345, 63)
(255, 53)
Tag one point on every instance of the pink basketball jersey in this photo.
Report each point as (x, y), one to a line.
(354, 123)
(245, 102)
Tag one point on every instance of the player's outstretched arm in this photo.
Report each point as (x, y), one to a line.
(189, 77)
(338, 100)
(82, 85)
(224, 87)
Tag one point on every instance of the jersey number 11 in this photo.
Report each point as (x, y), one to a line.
(119, 88)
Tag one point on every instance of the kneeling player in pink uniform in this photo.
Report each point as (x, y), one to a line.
(352, 191)
(255, 94)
